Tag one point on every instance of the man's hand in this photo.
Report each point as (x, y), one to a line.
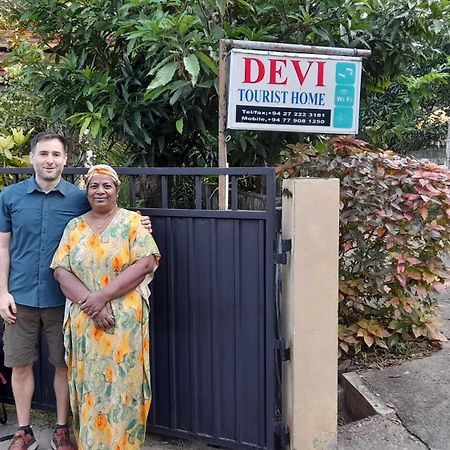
(8, 308)
(93, 303)
(146, 222)
(105, 318)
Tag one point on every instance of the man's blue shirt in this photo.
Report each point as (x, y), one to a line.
(36, 221)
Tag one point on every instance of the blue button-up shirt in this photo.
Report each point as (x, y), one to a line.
(36, 221)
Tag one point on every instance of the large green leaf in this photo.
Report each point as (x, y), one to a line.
(205, 59)
(163, 76)
(192, 65)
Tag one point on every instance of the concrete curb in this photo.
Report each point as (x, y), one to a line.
(360, 402)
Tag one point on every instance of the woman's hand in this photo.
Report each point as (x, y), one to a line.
(93, 303)
(105, 318)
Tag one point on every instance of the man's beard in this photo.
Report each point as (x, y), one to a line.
(42, 173)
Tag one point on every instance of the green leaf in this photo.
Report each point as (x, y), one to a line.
(179, 125)
(85, 125)
(205, 59)
(245, 5)
(7, 153)
(90, 106)
(95, 128)
(221, 6)
(155, 93)
(163, 76)
(192, 65)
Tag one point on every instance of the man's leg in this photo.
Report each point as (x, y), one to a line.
(52, 320)
(62, 395)
(19, 345)
(22, 382)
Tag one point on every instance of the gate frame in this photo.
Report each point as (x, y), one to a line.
(271, 343)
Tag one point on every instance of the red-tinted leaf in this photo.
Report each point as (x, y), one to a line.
(344, 346)
(429, 277)
(368, 340)
(436, 336)
(408, 216)
(413, 261)
(421, 290)
(439, 287)
(424, 212)
(348, 245)
(414, 275)
(402, 279)
(394, 301)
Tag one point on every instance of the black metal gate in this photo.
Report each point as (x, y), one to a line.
(213, 310)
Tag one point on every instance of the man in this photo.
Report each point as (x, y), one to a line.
(33, 215)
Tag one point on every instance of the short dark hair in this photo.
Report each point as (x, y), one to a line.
(46, 136)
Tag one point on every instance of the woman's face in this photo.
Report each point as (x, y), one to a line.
(102, 193)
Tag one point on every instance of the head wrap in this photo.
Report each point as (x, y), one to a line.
(102, 169)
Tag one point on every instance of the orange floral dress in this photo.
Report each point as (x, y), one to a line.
(108, 370)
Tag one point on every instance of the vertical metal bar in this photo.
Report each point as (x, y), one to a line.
(198, 192)
(270, 308)
(132, 191)
(193, 329)
(172, 332)
(234, 192)
(223, 70)
(263, 431)
(237, 324)
(164, 191)
(215, 318)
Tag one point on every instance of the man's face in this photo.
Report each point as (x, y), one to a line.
(48, 159)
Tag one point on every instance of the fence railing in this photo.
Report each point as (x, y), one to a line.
(153, 187)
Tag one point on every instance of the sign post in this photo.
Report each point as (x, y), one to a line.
(286, 87)
(223, 160)
(291, 92)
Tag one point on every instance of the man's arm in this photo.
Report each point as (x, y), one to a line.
(7, 303)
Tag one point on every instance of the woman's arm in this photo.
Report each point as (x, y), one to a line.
(71, 286)
(125, 282)
(76, 291)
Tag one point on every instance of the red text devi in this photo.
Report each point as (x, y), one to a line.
(274, 71)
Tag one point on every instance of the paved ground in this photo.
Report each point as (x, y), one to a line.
(419, 393)
(43, 423)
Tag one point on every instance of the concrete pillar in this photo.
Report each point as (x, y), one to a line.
(309, 311)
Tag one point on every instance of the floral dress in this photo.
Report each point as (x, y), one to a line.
(108, 370)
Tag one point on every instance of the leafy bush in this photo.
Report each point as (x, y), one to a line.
(146, 72)
(19, 107)
(12, 149)
(394, 232)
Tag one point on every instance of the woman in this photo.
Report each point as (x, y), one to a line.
(104, 263)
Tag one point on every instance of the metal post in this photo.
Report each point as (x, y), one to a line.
(295, 48)
(223, 69)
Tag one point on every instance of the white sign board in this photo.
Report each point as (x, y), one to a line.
(296, 92)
